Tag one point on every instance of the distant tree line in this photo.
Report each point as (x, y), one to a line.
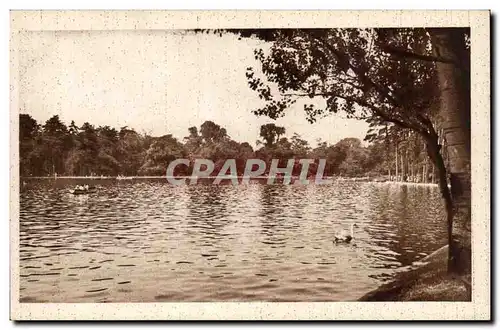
(55, 148)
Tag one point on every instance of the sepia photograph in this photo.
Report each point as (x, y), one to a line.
(249, 161)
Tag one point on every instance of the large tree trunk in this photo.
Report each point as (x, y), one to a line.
(454, 82)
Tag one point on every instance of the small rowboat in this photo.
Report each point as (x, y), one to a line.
(90, 190)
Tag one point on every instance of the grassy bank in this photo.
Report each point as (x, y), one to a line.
(428, 281)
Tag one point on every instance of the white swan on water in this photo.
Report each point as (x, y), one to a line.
(343, 236)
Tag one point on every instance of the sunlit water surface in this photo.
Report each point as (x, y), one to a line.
(148, 241)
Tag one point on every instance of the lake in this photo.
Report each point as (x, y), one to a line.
(150, 241)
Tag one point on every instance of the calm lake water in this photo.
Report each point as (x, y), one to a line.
(149, 241)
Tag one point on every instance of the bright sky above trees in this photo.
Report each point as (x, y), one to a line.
(157, 82)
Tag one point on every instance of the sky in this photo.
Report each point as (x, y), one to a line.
(156, 82)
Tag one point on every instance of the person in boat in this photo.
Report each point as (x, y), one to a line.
(86, 187)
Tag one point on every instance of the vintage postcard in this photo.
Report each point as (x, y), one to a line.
(250, 165)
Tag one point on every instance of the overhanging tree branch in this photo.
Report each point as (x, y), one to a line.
(421, 127)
